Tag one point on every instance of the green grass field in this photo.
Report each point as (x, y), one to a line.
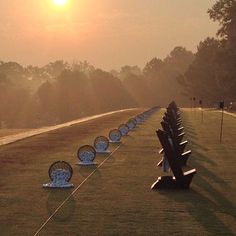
(117, 199)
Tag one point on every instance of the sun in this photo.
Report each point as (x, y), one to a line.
(60, 3)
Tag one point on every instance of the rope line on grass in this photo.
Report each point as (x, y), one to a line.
(79, 186)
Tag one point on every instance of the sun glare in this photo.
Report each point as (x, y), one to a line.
(60, 3)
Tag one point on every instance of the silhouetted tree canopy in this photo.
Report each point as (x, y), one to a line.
(34, 96)
(59, 91)
(212, 75)
(201, 78)
(224, 11)
(161, 76)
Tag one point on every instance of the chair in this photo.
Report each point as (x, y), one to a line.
(180, 179)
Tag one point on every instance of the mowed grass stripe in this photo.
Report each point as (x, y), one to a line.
(109, 204)
(24, 165)
(118, 199)
(77, 188)
(215, 182)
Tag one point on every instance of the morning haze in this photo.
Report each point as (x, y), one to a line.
(126, 101)
(65, 59)
(107, 33)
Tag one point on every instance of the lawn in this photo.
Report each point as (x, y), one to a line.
(117, 199)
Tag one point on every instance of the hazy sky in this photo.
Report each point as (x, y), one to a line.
(106, 33)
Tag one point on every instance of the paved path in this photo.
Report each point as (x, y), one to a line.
(230, 113)
(226, 112)
(16, 137)
(214, 110)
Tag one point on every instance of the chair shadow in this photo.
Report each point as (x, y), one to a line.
(203, 210)
(192, 142)
(190, 131)
(196, 160)
(201, 207)
(190, 136)
(199, 157)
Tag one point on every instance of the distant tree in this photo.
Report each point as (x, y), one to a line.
(179, 59)
(153, 72)
(161, 76)
(54, 69)
(109, 92)
(135, 84)
(47, 103)
(11, 68)
(202, 80)
(212, 75)
(138, 88)
(3, 79)
(153, 68)
(224, 11)
(14, 71)
(12, 101)
(72, 95)
(127, 71)
(82, 66)
(115, 73)
(4, 87)
(17, 98)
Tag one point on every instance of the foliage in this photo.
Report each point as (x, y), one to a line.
(161, 76)
(212, 75)
(59, 91)
(224, 11)
(202, 81)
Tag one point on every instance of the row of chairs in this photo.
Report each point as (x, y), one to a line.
(173, 150)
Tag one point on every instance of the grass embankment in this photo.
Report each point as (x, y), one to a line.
(24, 165)
(117, 199)
(6, 132)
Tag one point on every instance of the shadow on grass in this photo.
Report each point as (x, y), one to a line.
(193, 143)
(137, 128)
(203, 210)
(128, 136)
(155, 127)
(190, 131)
(115, 145)
(197, 157)
(85, 171)
(222, 203)
(203, 171)
(204, 205)
(190, 137)
(55, 199)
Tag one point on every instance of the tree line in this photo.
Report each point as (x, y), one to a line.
(34, 96)
(58, 92)
(212, 74)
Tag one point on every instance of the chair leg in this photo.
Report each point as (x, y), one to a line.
(169, 182)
